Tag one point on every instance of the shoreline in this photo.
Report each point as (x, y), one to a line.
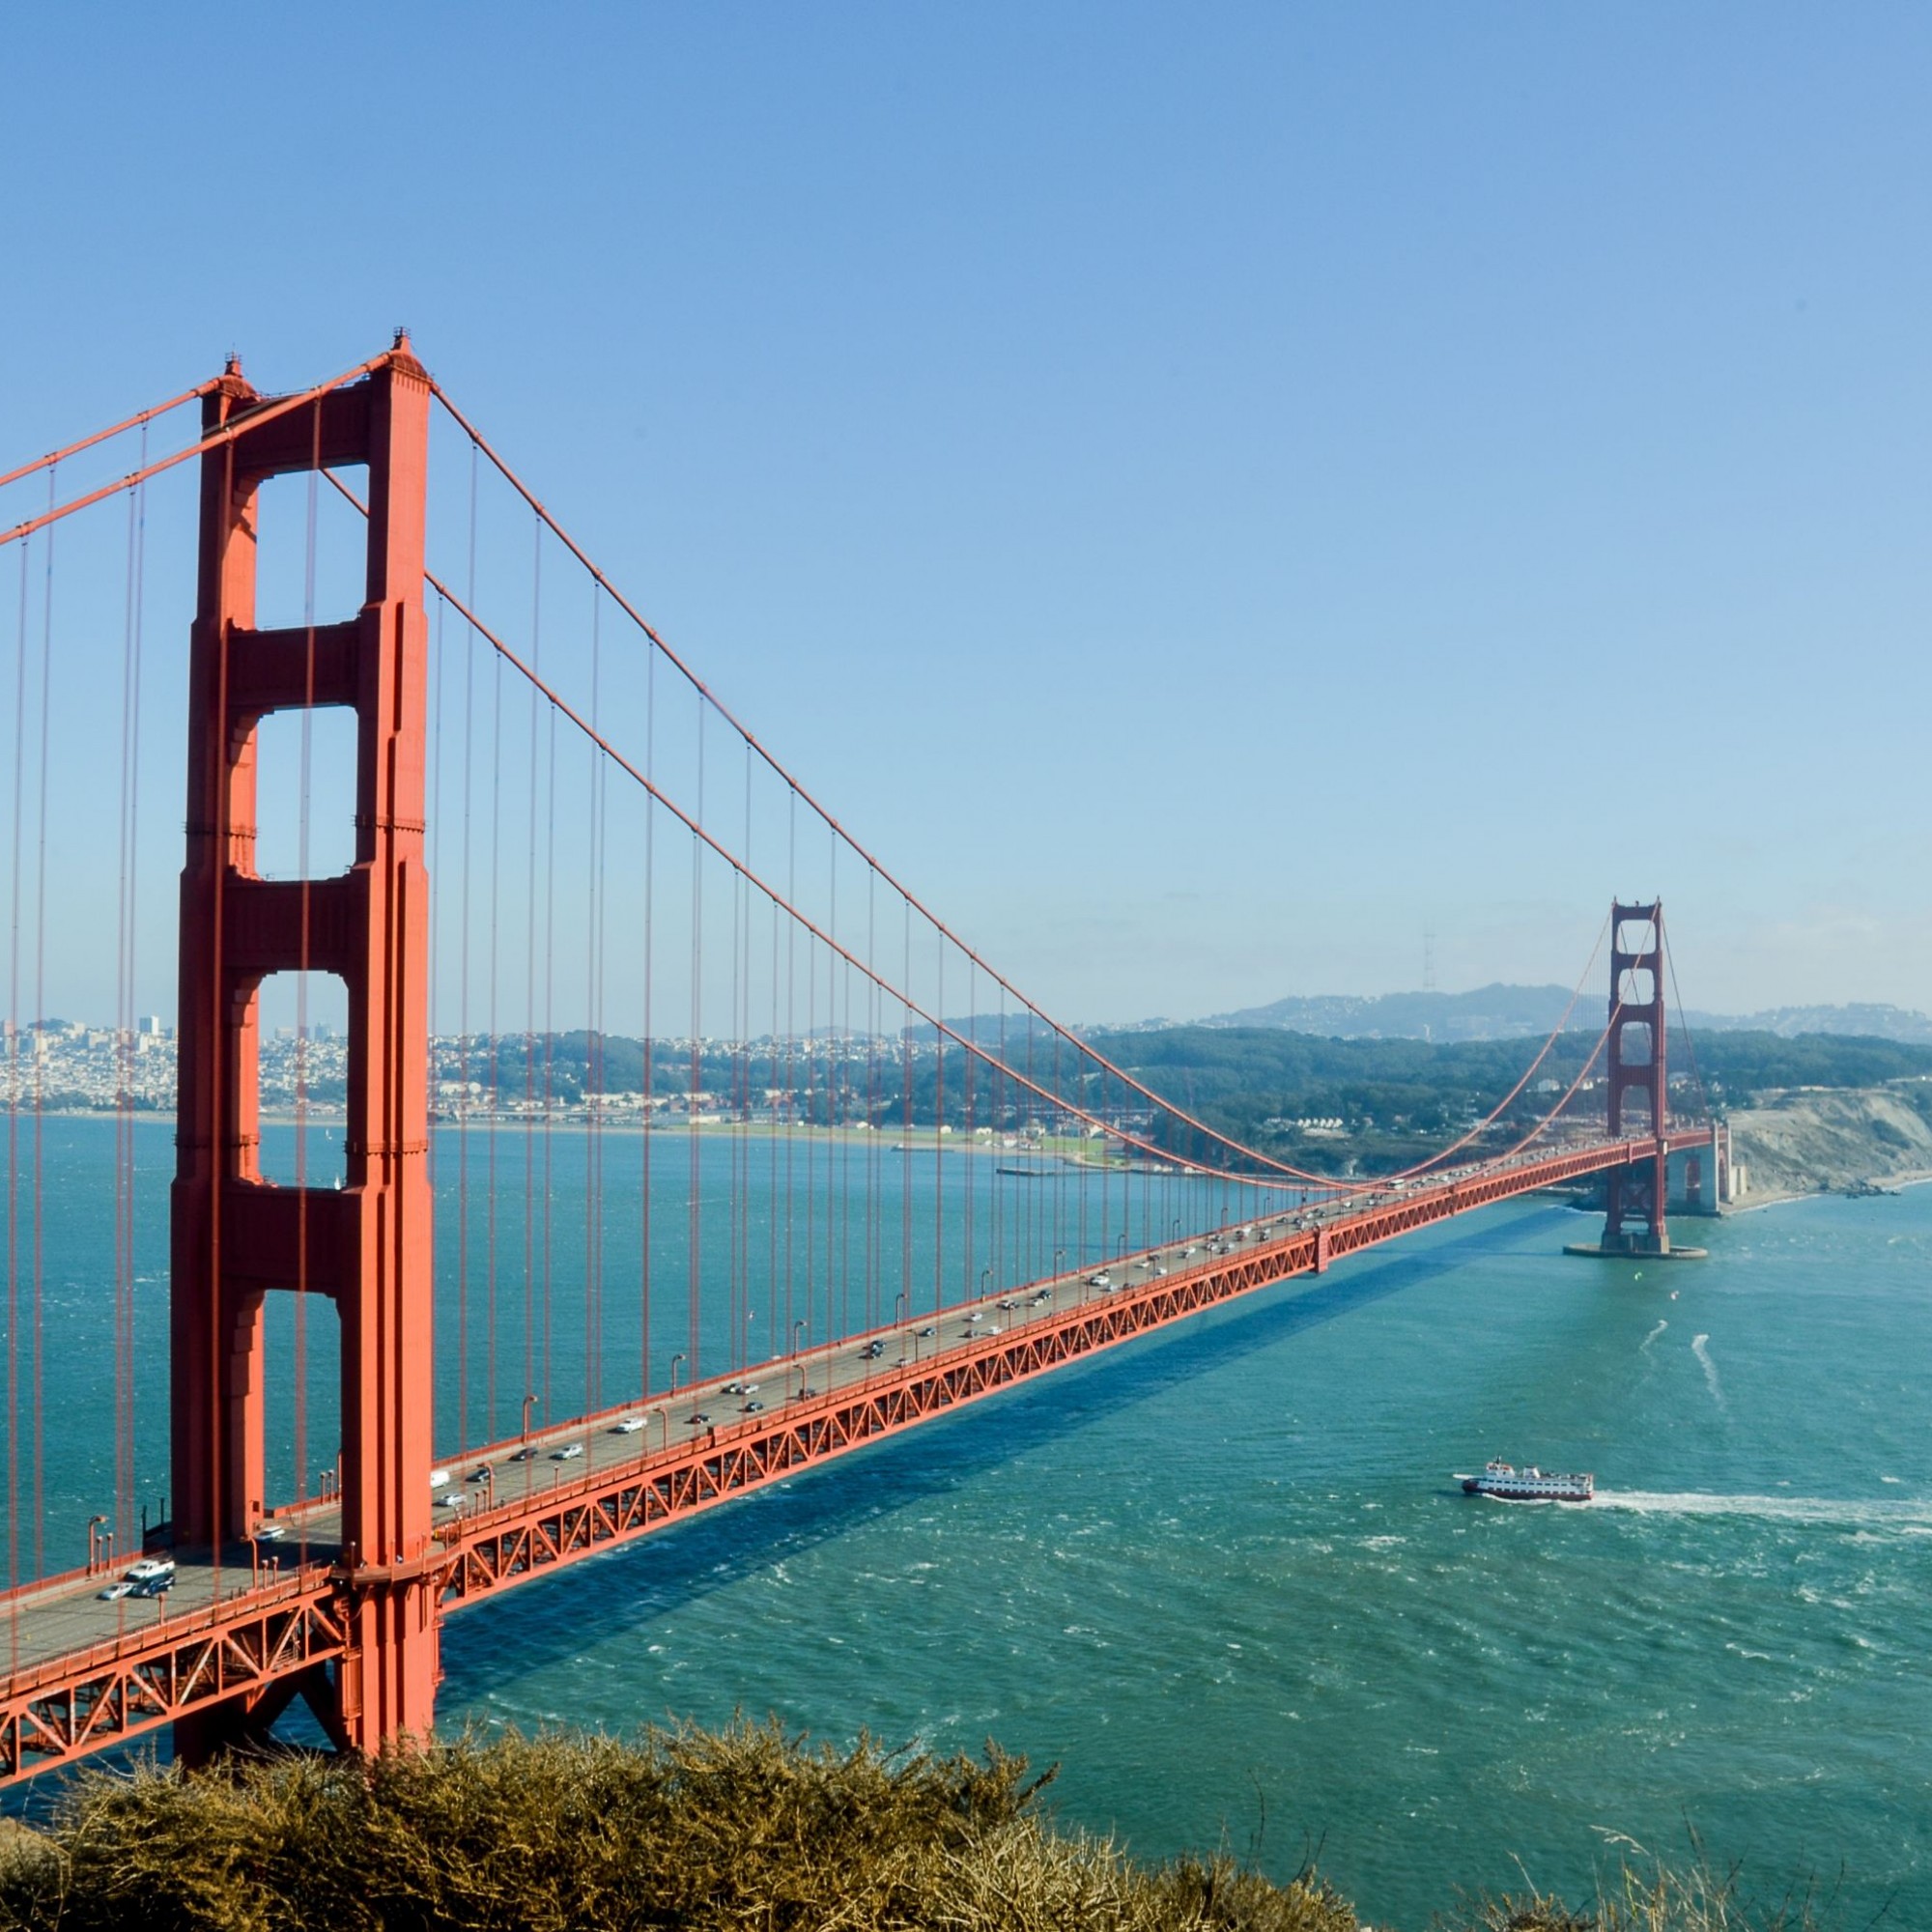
(1071, 1159)
(1074, 1158)
(1886, 1183)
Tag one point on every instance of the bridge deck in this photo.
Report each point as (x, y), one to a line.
(82, 1673)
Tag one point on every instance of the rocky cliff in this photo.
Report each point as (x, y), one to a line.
(1806, 1140)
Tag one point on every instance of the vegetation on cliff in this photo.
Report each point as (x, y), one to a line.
(1813, 1139)
(687, 1830)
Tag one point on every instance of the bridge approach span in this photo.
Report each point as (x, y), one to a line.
(88, 1674)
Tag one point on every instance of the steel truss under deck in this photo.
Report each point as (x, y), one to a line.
(252, 1650)
(264, 1645)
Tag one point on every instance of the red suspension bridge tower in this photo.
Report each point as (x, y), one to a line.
(236, 1238)
(221, 1649)
(1635, 1196)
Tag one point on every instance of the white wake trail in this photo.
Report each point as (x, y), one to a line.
(1902, 1517)
(1703, 1356)
(1643, 1347)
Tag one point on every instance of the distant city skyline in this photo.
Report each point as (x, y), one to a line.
(1531, 1013)
(1212, 500)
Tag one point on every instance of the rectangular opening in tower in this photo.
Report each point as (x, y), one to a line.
(1636, 986)
(301, 1337)
(311, 549)
(305, 793)
(303, 1072)
(1635, 1047)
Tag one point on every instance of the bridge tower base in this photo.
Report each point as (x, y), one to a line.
(237, 1237)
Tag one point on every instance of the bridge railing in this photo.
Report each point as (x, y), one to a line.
(166, 1631)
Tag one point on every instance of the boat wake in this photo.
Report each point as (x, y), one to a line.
(1643, 1347)
(1903, 1517)
(1710, 1368)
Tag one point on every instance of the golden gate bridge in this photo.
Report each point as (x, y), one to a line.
(820, 1208)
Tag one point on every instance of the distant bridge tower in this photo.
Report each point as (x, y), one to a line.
(1633, 1221)
(234, 1236)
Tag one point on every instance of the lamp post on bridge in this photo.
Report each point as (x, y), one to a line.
(100, 1545)
(529, 1403)
(798, 1328)
(674, 1361)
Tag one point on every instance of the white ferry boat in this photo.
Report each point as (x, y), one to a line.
(1529, 1484)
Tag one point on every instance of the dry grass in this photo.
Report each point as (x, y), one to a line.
(747, 1831)
(744, 1830)
(1648, 1896)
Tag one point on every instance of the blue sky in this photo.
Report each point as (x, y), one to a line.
(1211, 494)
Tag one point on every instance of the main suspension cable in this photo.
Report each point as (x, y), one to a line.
(235, 426)
(137, 421)
(1341, 1183)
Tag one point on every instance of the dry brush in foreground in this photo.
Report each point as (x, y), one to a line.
(747, 1831)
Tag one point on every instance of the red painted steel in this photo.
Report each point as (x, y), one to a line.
(240, 423)
(135, 421)
(236, 1238)
(234, 1667)
(243, 1659)
(358, 1639)
(494, 1550)
(1638, 1071)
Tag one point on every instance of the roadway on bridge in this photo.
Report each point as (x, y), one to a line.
(69, 1614)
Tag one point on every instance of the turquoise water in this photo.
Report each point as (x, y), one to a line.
(1223, 1580)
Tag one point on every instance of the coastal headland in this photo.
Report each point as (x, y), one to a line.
(1812, 1140)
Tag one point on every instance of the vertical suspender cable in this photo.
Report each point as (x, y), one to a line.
(495, 1037)
(593, 1070)
(846, 1138)
(216, 1020)
(999, 1220)
(125, 1529)
(743, 1031)
(599, 1015)
(776, 1293)
(534, 1357)
(733, 1074)
(694, 1100)
(464, 1101)
(967, 1275)
(790, 1066)
(810, 1283)
(834, 1325)
(16, 1088)
(299, 1405)
(548, 1114)
(39, 1066)
(873, 1313)
(650, 1042)
(437, 951)
(905, 1167)
(938, 1129)
(125, 1042)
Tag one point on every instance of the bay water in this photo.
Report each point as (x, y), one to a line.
(1223, 1580)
